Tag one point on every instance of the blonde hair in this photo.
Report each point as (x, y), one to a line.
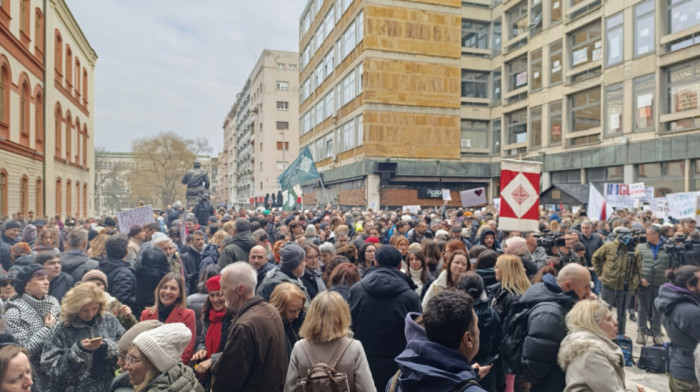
(218, 237)
(79, 296)
(328, 318)
(513, 277)
(151, 373)
(586, 315)
(283, 293)
(341, 229)
(98, 245)
(227, 226)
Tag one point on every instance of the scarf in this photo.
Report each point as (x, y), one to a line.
(164, 312)
(213, 339)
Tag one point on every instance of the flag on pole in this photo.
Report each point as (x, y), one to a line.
(597, 207)
(290, 199)
(520, 195)
(301, 170)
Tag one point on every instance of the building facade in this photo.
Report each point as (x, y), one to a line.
(400, 99)
(46, 126)
(261, 134)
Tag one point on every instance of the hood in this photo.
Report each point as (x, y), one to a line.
(671, 295)
(24, 260)
(382, 281)
(428, 366)
(244, 241)
(73, 259)
(548, 291)
(211, 251)
(580, 342)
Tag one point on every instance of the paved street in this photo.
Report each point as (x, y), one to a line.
(634, 375)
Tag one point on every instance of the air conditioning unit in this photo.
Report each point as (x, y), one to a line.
(465, 143)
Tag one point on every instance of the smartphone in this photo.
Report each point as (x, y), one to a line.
(96, 339)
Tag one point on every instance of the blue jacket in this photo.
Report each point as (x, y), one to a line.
(429, 366)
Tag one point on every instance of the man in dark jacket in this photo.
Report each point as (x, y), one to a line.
(191, 258)
(258, 259)
(679, 305)
(240, 245)
(75, 262)
(655, 263)
(590, 239)
(255, 355)
(488, 239)
(550, 301)
(60, 282)
(438, 357)
(290, 270)
(121, 281)
(10, 232)
(378, 305)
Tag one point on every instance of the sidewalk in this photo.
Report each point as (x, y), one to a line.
(634, 376)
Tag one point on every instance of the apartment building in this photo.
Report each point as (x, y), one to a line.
(598, 91)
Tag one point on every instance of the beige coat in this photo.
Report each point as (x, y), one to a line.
(353, 363)
(592, 363)
(438, 286)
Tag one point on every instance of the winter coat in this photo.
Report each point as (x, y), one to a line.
(592, 363)
(148, 276)
(313, 282)
(196, 302)
(610, 263)
(254, 357)
(379, 304)
(113, 306)
(179, 378)
(592, 245)
(262, 272)
(502, 300)
(22, 261)
(121, 383)
(680, 315)
(428, 366)
(133, 248)
(439, 285)
(343, 290)
(275, 277)
(654, 268)
(191, 260)
(490, 338)
(25, 318)
(121, 281)
(237, 250)
(538, 257)
(76, 263)
(546, 329)
(353, 363)
(72, 368)
(177, 315)
(5, 256)
(210, 256)
(488, 275)
(60, 285)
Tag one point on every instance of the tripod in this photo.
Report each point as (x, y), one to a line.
(621, 303)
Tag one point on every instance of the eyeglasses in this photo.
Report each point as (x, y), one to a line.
(131, 360)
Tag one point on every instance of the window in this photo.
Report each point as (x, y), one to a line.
(586, 45)
(58, 54)
(496, 136)
(39, 31)
(475, 34)
(39, 123)
(535, 18)
(644, 42)
(497, 36)
(665, 177)
(4, 93)
(555, 123)
(282, 105)
(474, 84)
(474, 134)
(25, 98)
(517, 126)
(536, 69)
(554, 12)
(77, 199)
(283, 146)
(517, 20)
(613, 110)
(24, 17)
(496, 87)
(58, 139)
(682, 14)
(69, 66)
(585, 114)
(85, 86)
(644, 103)
(280, 65)
(614, 39)
(284, 86)
(517, 73)
(555, 63)
(536, 127)
(292, 66)
(683, 86)
(85, 199)
(69, 135)
(282, 125)
(59, 199)
(347, 41)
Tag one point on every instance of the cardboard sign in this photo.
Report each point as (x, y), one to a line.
(411, 209)
(135, 216)
(473, 197)
(446, 195)
(637, 190)
(682, 205)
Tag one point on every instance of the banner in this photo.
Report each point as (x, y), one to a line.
(290, 200)
(520, 195)
(637, 190)
(135, 216)
(473, 197)
(620, 195)
(301, 170)
(681, 205)
(598, 207)
(411, 209)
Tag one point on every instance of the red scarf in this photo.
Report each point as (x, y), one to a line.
(213, 339)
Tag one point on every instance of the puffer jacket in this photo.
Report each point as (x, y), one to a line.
(583, 354)
(70, 367)
(610, 263)
(490, 337)
(654, 268)
(502, 300)
(121, 281)
(680, 315)
(237, 250)
(179, 378)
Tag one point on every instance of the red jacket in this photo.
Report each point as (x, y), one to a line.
(177, 315)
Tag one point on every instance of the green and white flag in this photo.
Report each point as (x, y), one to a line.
(301, 170)
(290, 199)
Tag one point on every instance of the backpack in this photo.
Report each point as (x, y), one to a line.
(515, 331)
(323, 377)
(463, 386)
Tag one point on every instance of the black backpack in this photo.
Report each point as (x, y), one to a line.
(515, 331)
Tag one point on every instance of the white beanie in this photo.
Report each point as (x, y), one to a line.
(164, 345)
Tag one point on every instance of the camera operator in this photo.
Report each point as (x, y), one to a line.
(203, 210)
(655, 262)
(692, 255)
(612, 266)
(534, 253)
(565, 254)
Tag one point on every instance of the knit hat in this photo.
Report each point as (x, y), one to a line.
(388, 256)
(164, 345)
(516, 246)
(25, 275)
(109, 222)
(29, 233)
(12, 224)
(291, 255)
(95, 275)
(214, 283)
(131, 334)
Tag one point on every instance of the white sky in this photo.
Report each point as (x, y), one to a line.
(176, 65)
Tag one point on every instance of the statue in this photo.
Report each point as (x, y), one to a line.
(197, 182)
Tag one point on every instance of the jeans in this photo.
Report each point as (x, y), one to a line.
(648, 312)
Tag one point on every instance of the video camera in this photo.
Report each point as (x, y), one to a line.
(677, 247)
(549, 240)
(631, 238)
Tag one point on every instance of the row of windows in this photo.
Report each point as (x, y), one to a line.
(25, 26)
(323, 30)
(73, 150)
(26, 113)
(343, 138)
(24, 189)
(71, 71)
(80, 201)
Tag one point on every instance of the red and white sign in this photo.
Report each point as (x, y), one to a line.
(520, 195)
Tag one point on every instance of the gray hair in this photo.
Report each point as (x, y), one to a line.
(241, 273)
(159, 240)
(77, 237)
(654, 229)
(327, 247)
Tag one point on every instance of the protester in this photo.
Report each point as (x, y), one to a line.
(120, 276)
(457, 264)
(7, 286)
(15, 369)
(122, 312)
(240, 246)
(290, 269)
(191, 260)
(197, 300)
(259, 261)
(312, 270)
(149, 270)
(59, 282)
(343, 277)
(216, 322)
(289, 301)
(136, 238)
(655, 262)
(75, 261)
(121, 382)
(419, 272)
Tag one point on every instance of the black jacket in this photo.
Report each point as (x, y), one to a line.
(191, 259)
(502, 300)
(121, 281)
(312, 281)
(148, 276)
(237, 250)
(379, 304)
(209, 256)
(490, 337)
(60, 286)
(76, 263)
(680, 314)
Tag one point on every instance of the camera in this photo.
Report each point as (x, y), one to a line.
(548, 240)
(677, 248)
(631, 238)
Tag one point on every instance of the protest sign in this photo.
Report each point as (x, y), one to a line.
(135, 216)
(659, 207)
(681, 205)
(446, 195)
(473, 197)
(637, 190)
(520, 195)
(415, 209)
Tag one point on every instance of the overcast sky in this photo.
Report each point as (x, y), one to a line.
(176, 65)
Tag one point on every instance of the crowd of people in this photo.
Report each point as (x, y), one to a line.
(367, 300)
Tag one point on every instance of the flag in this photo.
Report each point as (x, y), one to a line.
(598, 208)
(301, 170)
(290, 200)
(520, 195)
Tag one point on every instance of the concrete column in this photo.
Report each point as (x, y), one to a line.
(628, 173)
(373, 195)
(583, 176)
(688, 175)
(545, 180)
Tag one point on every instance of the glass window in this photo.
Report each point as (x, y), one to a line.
(536, 69)
(517, 20)
(496, 136)
(665, 177)
(282, 85)
(682, 14)
(644, 103)
(644, 42)
(555, 123)
(585, 110)
(536, 127)
(282, 105)
(282, 125)
(613, 110)
(614, 38)
(497, 36)
(554, 12)
(496, 87)
(535, 18)
(517, 126)
(474, 134)
(475, 34)
(586, 45)
(517, 73)
(566, 177)
(555, 63)
(683, 86)
(474, 84)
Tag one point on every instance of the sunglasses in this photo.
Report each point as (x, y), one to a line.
(6, 283)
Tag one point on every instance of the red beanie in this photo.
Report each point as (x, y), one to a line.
(214, 283)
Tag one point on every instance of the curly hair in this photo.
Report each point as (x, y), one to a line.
(79, 296)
